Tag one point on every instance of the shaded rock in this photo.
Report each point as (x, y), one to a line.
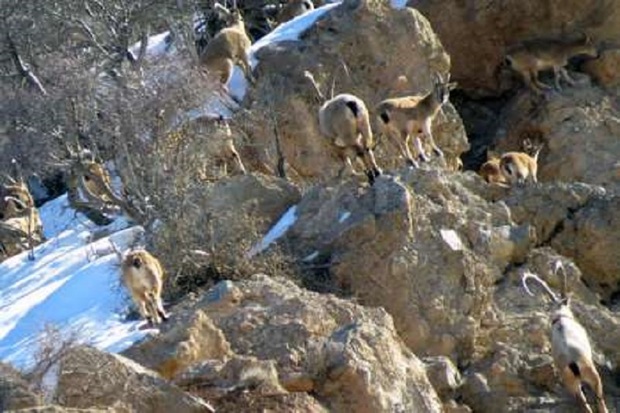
(343, 353)
(477, 33)
(15, 392)
(90, 378)
(604, 70)
(366, 46)
(443, 375)
(60, 409)
(244, 384)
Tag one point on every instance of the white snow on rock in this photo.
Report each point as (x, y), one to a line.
(284, 223)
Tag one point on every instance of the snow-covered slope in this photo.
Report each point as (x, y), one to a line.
(73, 284)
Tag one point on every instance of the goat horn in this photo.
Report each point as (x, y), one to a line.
(527, 275)
(557, 268)
(16, 200)
(116, 250)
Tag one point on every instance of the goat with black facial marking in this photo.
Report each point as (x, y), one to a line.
(143, 276)
(572, 352)
(400, 118)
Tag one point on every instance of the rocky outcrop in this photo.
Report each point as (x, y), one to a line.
(478, 33)
(578, 129)
(365, 46)
(88, 378)
(15, 391)
(284, 340)
(420, 245)
(443, 253)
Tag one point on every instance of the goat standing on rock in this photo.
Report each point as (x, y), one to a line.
(530, 59)
(572, 353)
(229, 47)
(401, 117)
(344, 119)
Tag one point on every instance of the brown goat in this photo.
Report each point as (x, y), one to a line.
(143, 276)
(519, 167)
(293, 9)
(530, 59)
(401, 117)
(8, 193)
(345, 121)
(230, 46)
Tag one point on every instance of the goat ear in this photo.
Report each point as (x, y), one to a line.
(222, 11)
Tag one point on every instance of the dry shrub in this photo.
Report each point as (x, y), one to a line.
(52, 346)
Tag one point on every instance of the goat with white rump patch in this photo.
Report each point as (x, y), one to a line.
(344, 119)
(572, 353)
(143, 276)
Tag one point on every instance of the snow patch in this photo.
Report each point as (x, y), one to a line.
(398, 4)
(286, 221)
(451, 238)
(344, 216)
(310, 257)
(291, 30)
(73, 284)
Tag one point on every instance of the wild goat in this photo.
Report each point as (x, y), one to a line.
(400, 117)
(8, 194)
(345, 121)
(519, 167)
(529, 59)
(21, 231)
(491, 172)
(293, 9)
(220, 141)
(230, 46)
(143, 276)
(572, 353)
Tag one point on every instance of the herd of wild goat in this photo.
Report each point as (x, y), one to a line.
(345, 121)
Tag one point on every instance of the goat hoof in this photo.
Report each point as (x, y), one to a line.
(413, 164)
(423, 158)
(438, 153)
(371, 177)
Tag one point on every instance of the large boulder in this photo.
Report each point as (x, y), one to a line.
(364, 47)
(422, 245)
(578, 128)
(347, 356)
(443, 254)
(478, 33)
(88, 378)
